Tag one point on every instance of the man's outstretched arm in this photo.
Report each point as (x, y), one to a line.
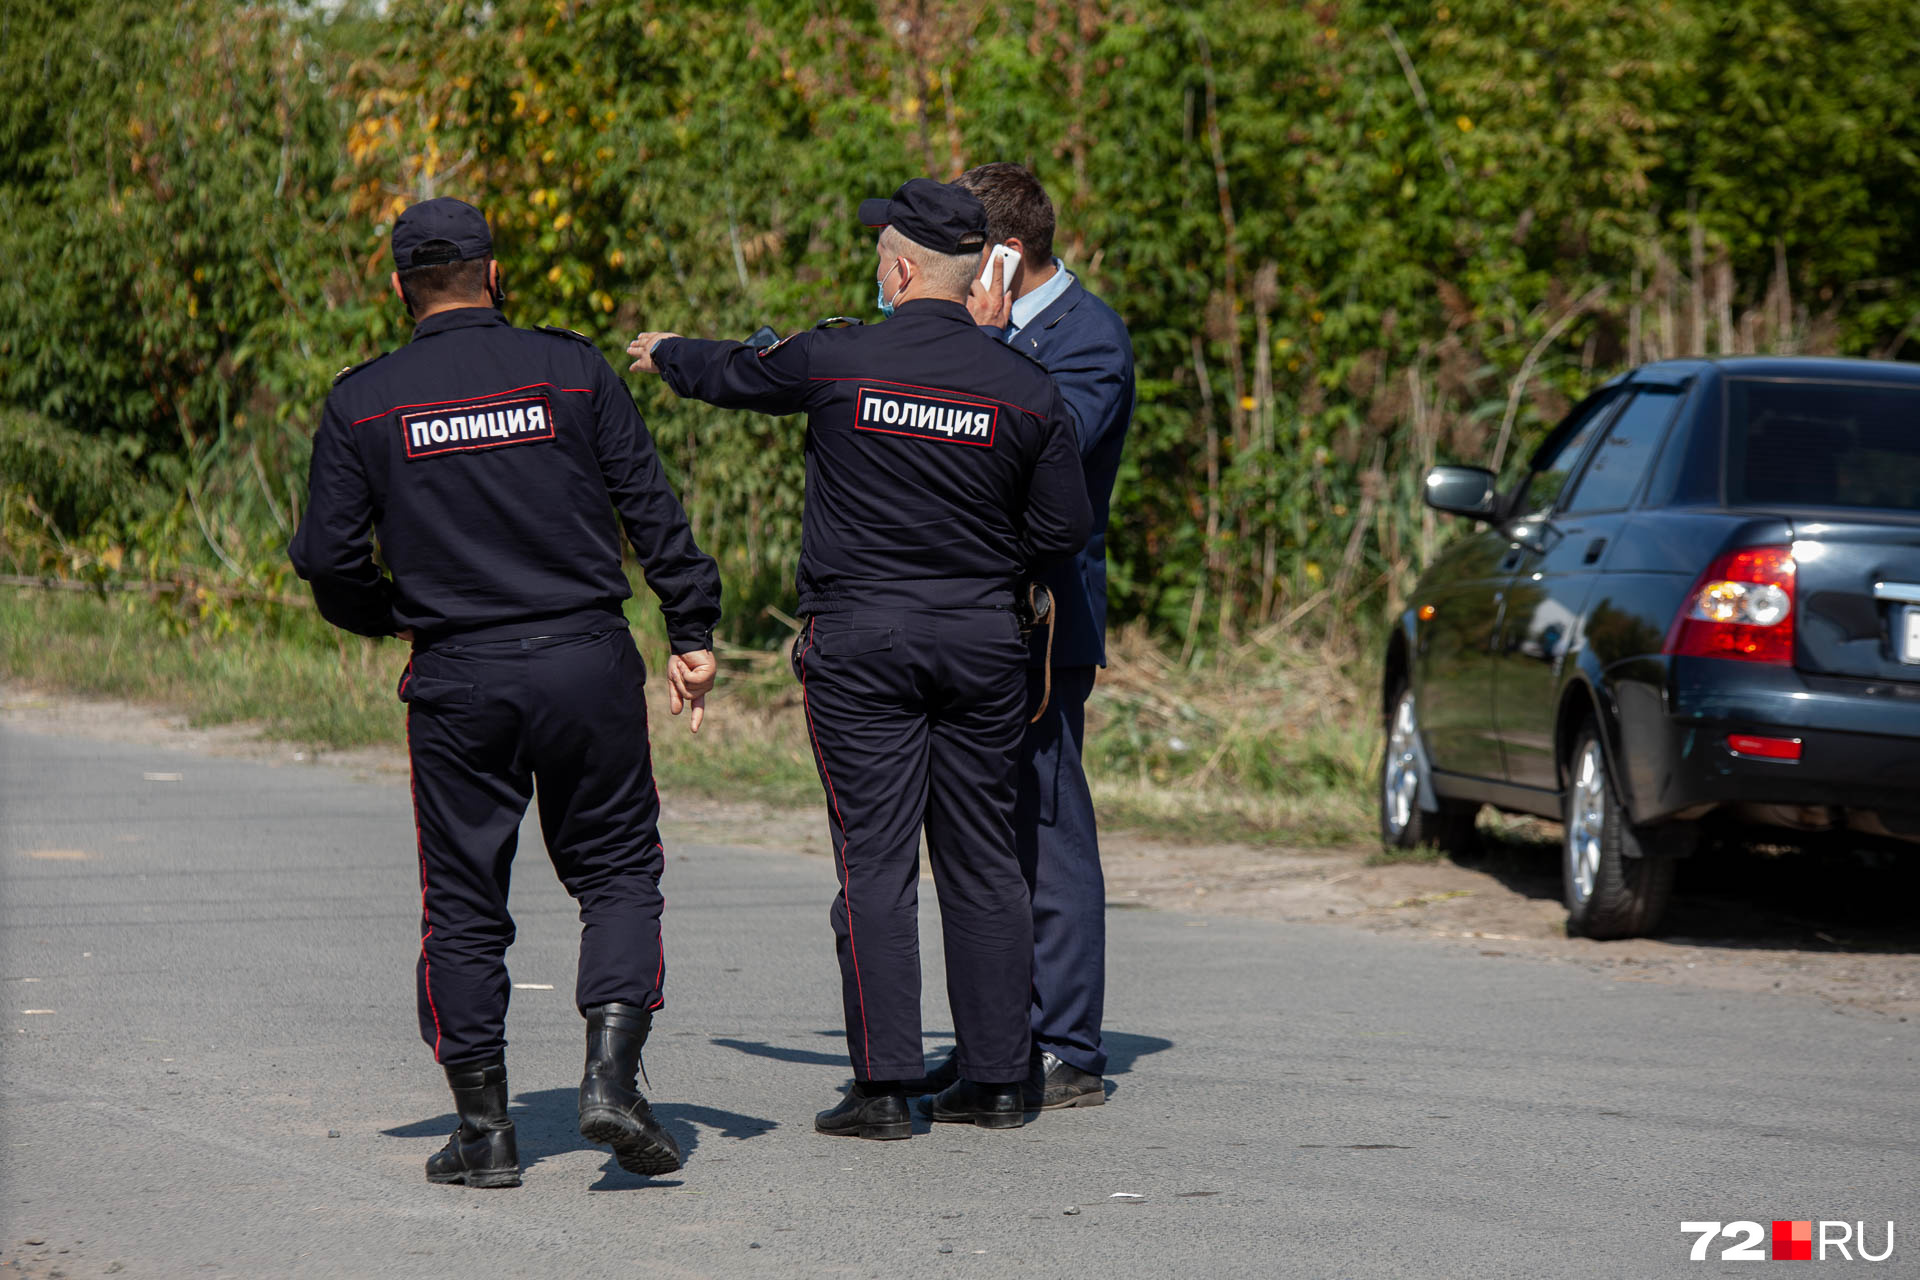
(731, 375)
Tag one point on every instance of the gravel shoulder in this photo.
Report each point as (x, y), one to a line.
(1794, 924)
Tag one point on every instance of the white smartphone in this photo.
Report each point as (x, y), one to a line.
(1001, 253)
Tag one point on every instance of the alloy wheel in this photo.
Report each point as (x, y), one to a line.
(1586, 821)
(1400, 779)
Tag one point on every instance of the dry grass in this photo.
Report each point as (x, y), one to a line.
(1269, 742)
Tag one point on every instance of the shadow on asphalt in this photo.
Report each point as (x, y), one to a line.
(546, 1123)
(780, 1053)
(1831, 898)
(1123, 1049)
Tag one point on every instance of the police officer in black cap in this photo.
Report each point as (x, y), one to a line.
(941, 472)
(490, 462)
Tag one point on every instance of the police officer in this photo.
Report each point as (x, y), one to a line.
(941, 472)
(490, 462)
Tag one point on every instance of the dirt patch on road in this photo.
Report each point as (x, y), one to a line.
(1840, 928)
(1831, 926)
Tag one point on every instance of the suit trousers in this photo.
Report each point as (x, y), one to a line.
(1060, 858)
(487, 722)
(916, 716)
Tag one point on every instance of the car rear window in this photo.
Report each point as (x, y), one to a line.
(1823, 444)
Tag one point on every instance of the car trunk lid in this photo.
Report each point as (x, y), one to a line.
(1840, 460)
(1857, 597)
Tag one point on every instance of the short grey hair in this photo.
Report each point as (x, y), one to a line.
(948, 275)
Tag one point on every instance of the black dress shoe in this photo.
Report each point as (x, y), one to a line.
(991, 1106)
(1056, 1084)
(869, 1110)
(944, 1076)
(481, 1152)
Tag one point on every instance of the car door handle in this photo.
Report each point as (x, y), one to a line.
(1594, 549)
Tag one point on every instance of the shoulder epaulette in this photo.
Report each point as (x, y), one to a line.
(838, 322)
(352, 369)
(776, 344)
(560, 332)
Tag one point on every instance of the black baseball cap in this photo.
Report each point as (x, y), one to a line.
(939, 215)
(440, 230)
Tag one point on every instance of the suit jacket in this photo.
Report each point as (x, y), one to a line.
(1083, 344)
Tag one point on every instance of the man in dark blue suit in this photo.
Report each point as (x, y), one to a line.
(1043, 312)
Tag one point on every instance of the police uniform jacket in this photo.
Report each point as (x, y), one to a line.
(942, 466)
(491, 462)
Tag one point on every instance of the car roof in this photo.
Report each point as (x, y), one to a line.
(1812, 367)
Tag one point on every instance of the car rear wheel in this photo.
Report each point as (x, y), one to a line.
(1613, 888)
(1403, 823)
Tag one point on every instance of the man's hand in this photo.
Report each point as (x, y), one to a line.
(689, 679)
(989, 304)
(405, 633)
(641, 348)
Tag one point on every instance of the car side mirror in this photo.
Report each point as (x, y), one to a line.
(1463, 491)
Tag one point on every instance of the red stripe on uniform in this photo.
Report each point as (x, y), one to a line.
(420, 845)
(660, 933)
(846, 878)
(427, 404)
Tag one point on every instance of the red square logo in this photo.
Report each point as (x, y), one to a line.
(1792, 1241)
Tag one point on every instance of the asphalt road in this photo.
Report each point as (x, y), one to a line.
(208, 972)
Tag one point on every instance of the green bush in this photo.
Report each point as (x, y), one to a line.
(80, 481)
(1340, 233)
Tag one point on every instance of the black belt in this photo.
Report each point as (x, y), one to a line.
(576, 622)
(907, 593)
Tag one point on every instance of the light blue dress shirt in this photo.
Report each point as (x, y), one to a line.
(1026, 309)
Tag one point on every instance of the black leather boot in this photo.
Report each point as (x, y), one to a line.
(991, 1106)
(612, 1108)
(481, 1152)
(872, 1109)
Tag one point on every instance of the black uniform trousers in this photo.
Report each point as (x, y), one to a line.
(916, 716)
(484, 722)
(1060, 856)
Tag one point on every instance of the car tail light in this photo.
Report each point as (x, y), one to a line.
(1742, 607)
(1753, 744)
